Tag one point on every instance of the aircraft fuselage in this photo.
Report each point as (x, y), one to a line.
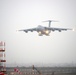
(43, 31)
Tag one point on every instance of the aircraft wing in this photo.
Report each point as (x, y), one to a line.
(58, 29)
(26, 30)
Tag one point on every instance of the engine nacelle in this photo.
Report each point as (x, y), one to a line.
(25, 31)
(59, 30)
(31, 30)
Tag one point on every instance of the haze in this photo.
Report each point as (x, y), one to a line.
(29, 48)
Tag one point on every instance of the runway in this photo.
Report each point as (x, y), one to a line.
(43, 70)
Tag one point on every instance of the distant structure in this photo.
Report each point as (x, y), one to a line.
(2, 57)
(36, 70)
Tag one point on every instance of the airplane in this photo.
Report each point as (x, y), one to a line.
(45, 30)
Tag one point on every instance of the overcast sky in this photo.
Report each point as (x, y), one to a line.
(29, 48)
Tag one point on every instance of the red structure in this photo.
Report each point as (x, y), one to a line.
(1, 73)
(2, 57)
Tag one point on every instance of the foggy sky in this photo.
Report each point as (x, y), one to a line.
(29, 48)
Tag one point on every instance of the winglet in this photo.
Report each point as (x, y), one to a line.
(74, 29)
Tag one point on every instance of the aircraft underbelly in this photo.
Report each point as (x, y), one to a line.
(45, 32)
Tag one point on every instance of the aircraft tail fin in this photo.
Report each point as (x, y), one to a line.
(50, 21)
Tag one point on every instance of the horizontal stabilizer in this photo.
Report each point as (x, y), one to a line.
(50, 21)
